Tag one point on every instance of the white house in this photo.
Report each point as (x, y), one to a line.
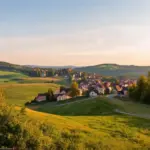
(63, 97)
(43, 74)
(101, 91)
(93, 94)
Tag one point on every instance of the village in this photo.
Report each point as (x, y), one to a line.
(86, 85)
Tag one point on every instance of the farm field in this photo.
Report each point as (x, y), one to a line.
(19, 94)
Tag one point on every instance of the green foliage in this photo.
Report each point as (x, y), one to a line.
(74, 89)
(50, 94)
(141, 92)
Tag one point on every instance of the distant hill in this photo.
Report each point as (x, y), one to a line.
(5, 66)
(54, 67)
(9, 66)
(116, 70)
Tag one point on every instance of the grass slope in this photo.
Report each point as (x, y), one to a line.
(132, 107)
(97, 126)
(91, 107)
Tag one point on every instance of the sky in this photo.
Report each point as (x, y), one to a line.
(75, 32)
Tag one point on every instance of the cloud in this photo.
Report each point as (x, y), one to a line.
(118, 44)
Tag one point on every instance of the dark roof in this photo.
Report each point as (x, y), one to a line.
(42, 94)
(65, 89)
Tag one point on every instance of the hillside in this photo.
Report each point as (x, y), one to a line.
(98, 127)
(10, 77)
(12, 67)
(116, 70)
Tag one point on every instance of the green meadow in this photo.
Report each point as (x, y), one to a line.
(19, 94)
(10, 77)
(93, 124)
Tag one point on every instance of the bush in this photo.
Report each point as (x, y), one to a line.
(141, 91)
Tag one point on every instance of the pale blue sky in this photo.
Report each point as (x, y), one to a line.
(75, 32)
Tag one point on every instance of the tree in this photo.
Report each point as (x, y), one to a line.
(74, 90)
(50, 94)
(149, 76)
(141, 87)
(141, 92)
(84, 75)
(146, 96)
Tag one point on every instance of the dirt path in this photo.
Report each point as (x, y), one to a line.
(146, 116)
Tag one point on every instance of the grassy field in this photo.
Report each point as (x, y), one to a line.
(97, 126)
(19, 94)
(14, 77)
(6, 76)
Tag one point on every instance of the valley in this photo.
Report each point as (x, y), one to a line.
(77, 123)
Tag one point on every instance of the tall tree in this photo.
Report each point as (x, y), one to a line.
(74, 89)
(50, 94)
(142, 84)
(149, 76)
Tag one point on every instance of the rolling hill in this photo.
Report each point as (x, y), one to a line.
(113, 70)
(97, 126)
(9, 76)
(116, 70)
(5, 66)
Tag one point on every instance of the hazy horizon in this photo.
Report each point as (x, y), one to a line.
(77, 33)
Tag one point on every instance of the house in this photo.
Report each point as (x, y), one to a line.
(62, 94)
(43, 73)
(57, 92)
(101, 90)
(41, 98)
(122, 91)
(93, 93)
(61, 97)
(125, 91)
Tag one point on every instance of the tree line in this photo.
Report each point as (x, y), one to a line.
(140, 92)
